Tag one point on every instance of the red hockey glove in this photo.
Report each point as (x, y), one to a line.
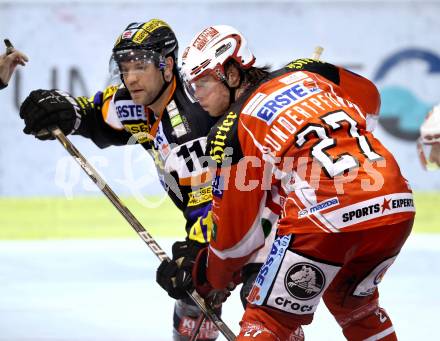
(214, 297)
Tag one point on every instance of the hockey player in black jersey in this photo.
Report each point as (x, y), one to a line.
(152, 108)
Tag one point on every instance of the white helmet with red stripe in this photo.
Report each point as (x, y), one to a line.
(211, 48)
(429, 142)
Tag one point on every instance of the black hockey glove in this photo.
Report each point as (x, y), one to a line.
(44, 109)
(175, 276)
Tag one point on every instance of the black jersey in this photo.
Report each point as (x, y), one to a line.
(176, 140)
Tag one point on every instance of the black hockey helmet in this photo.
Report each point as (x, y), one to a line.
(152, 39)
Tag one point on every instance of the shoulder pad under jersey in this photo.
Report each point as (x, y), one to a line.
(223, 141)
(329, 71)
(109, 92)
(122, 94)
(223, 144)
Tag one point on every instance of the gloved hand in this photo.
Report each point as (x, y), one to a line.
(214, 297)
(175, 275)
(44, 109)
(249, 273)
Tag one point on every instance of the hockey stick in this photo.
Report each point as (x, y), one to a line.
(196, 330)
(137, 226)
(317, 52)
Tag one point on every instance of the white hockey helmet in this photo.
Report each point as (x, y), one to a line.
(430, 129)
(211, 48)
(429, 142)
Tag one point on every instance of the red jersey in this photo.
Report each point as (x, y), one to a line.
(300, 139)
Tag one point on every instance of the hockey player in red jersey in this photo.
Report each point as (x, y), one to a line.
(152, 108)
(298, 134)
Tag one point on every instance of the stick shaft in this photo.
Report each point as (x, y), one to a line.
(317, 52)
(195, 332)
(137, 226)
(9, 46)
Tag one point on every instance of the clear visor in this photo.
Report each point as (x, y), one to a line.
(189, 88)
(137, 60)
(113, 71)
(199, 86)
(429, 154)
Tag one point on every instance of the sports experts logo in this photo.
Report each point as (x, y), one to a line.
(378, 208)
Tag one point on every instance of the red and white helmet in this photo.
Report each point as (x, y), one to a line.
(428, 144)
(430, 129)
(211, 48)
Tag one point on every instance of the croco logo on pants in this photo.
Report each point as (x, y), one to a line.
(304, 281)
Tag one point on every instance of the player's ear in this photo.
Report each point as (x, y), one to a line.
(232, 76)
(168, 70)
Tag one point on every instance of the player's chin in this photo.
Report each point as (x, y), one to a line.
(212, 111)
(138, 97)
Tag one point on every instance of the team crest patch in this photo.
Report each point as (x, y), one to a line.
(369, 284)
(304, 281)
